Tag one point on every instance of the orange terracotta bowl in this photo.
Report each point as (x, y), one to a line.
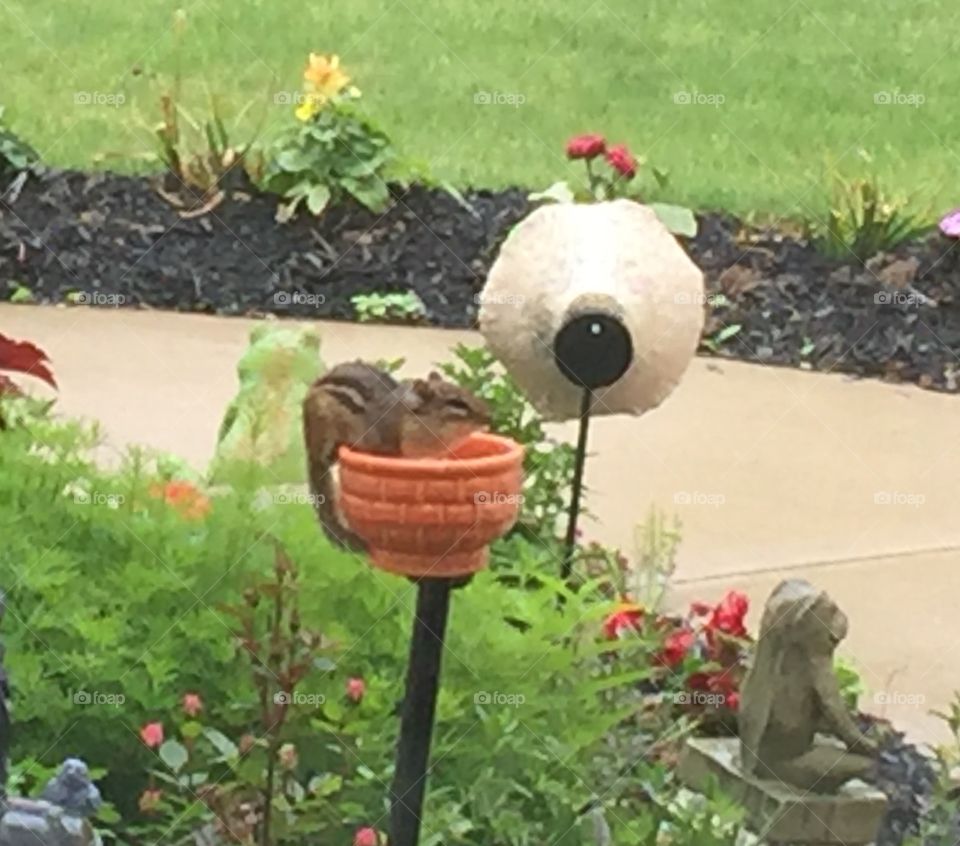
(433, 516)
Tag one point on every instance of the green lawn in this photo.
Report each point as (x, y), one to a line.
(798, 82)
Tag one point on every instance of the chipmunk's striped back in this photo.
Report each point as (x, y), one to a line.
(337, 411)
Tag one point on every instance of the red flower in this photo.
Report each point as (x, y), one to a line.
(733, 701)
(627, 617)
(585, 147)
(152, 734)
(701, 609)
(366, 837)
(192, 704)
(356, 688)
(676, 647)
(184, 497)
(728, 615)
(622, 161)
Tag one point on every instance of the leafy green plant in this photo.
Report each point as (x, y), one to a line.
(714, 342)
(198, 153)
(940, 817)
(334, 152)
(850, 681)
(548, 464)
(864, 220)
(406, 307)
(15, 154)
(245, 791)
(656, 542)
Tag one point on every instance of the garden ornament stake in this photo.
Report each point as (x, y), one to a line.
(608, 290)
(431, 520)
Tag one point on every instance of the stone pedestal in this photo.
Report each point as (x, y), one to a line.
(778, 813)
(28, 822)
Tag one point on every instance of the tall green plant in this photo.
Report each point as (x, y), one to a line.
(548, 464)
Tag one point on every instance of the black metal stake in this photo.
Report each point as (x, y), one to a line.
(586, 402)
(419, 707)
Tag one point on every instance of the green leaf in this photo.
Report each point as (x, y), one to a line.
(21, 294)
(174, 754)
(372, 192)
(325, 785)
(223, 744)
(559, 192)
(191, 729)
(318, 198)
(678, 219)
(293, 161)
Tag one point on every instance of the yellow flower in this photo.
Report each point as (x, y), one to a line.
(324, 75)
(308, 108)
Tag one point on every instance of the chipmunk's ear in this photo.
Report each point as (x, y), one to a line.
(434, 377)
(422, 388)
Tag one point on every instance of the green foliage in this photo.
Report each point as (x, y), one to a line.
(850, 681)
(863, 220)
(656, 543)
(128, 609)
(335, 153)
(122, 600)
(940, 819)
(548, 464)
(15, 155)
(377, 308)
(198, 153)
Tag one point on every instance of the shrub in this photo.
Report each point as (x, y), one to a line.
(127, 611)
(548, 464)
(863, 221)
(334, 152)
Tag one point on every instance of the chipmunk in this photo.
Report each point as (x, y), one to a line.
(358, 405)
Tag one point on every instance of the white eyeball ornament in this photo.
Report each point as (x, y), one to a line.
(597, 295)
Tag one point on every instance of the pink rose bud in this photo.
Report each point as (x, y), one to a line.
(192, 704)
(366, 837)
(356, 688)
(152, 734)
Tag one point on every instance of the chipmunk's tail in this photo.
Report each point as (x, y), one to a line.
(321, 457)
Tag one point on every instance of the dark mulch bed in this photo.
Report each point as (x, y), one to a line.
(108, 235)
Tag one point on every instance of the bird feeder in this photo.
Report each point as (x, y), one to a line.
(431, 520)
(592, 309)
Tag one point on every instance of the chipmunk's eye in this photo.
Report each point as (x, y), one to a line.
(458, 407)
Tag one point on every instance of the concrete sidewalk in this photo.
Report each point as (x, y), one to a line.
(769, 470)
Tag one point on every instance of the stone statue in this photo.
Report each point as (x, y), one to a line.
(72, 789)
(791, 693)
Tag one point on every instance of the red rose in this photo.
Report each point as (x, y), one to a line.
(728, 615)
(676, 647)
(622, 161)
(586, 147)
(626, 618)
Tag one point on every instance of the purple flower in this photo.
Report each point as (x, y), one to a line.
(950, 224)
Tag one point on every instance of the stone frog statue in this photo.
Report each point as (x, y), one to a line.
(262, 425)
(791, 693)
